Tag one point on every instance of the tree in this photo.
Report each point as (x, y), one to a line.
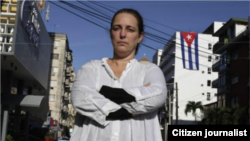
(192, 106)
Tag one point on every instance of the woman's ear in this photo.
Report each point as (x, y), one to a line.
(140, 37)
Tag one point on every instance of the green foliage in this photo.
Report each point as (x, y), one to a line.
(226, 116)
(8, 137)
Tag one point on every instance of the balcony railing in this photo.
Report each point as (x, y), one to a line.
(67, 83)
(215, 83)
(223, 89)
(66, 96)
(220, 44)
(216, 66)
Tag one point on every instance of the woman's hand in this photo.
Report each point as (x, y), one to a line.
(146, 85)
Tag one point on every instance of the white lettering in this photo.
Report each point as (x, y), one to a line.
(173, 132)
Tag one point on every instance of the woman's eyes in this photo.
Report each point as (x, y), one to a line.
(131, 30)
(117, 28)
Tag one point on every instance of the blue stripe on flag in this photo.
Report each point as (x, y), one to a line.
(190, 58)
(182, 51)
(196, 53)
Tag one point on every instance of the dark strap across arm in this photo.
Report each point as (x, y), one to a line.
(120, 114)
(116, 95)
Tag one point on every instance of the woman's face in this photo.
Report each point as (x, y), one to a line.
(125, 34)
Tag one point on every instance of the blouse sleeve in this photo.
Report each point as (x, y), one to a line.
(85, 98)
(150, 98)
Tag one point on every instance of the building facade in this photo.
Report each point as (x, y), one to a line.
(25, 68)
(62, 78)
(186, 85)
(233, 67)
(157, 57)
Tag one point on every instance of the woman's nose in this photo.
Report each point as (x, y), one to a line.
(123, 33)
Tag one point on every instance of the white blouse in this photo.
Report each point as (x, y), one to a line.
(92, 107)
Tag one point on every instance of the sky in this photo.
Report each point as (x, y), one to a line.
(91, 42)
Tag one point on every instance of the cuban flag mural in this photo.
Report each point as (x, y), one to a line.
(189, 50)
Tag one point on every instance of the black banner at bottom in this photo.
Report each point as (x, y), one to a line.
(208, 132)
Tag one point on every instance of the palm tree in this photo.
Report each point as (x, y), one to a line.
(192, 106)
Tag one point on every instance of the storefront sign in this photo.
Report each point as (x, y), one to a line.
(29, 18)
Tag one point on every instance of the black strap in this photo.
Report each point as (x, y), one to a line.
(121, 114)
(116, 95)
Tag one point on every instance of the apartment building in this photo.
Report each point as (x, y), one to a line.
(187, 67)
(233, 67)
(62, 78)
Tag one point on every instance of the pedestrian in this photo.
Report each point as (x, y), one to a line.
(117, 98)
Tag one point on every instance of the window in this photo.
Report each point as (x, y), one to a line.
(209, 58)
(53, 83)
(208, 82)
(57, 43)
(209, 70)
(209, 46)
(208, 96)
(222, 79)
(52, 97)
(223, 60)
(55, 56)
(217, 57)
(54, 70)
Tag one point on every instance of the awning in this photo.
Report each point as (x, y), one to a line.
(33, 103)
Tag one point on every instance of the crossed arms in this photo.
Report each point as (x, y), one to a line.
(116, 103)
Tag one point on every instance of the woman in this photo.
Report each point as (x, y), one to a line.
(117, 99)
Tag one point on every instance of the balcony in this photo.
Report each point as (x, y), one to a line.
(220, 44)
(167, 55)
(224, 67)
(69, 57)
(72, 69)
(65, 109)
(68, 70)
(169, 65)
(71, 79)
(170, 75)
(215, 83)
(216, 66)
(66, 96)
(223, 89)
(67, 83)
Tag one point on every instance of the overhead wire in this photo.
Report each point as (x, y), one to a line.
(98, 3)
(161, 37)
(107, 29)
(168, 54)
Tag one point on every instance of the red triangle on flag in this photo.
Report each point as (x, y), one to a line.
(189, 37)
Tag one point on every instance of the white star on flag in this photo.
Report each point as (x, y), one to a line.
(189, 36)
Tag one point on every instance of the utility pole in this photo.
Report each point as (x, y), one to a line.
(169, 108)
(176, 89)
(169, 116)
